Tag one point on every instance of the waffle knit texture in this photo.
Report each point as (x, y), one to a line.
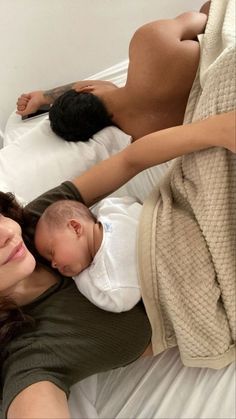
(188, 224)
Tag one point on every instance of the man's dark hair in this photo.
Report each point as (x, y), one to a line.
(77, 116)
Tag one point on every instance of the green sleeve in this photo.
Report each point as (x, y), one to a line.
(32, 364)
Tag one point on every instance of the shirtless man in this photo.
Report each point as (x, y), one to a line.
(163, 60)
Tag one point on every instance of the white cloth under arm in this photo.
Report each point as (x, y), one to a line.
(111, 281)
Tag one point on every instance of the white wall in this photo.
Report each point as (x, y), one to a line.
(45, 43)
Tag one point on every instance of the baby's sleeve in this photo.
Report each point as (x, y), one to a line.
(99, 291)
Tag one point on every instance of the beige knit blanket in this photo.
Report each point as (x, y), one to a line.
(187, 233)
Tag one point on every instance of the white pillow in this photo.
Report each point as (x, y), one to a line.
(16, 128)
(34, 159)
(1, 129)
(40, 160)
(1, 138)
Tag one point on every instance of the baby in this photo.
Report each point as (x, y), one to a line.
(97, 248)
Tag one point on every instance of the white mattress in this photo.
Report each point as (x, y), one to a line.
(158, 387)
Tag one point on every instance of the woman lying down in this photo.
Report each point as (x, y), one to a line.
(51, 335)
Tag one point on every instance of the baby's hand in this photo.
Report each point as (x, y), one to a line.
(30, 102)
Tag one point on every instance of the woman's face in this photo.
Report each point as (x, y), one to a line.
(16, 262)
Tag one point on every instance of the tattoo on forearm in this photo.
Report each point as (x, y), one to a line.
(53, 94)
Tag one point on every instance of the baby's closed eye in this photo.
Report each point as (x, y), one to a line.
(47, 254)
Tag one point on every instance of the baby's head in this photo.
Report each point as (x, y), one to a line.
(64, 236)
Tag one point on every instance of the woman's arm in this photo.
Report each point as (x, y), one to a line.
(153, 149)
(40, 400)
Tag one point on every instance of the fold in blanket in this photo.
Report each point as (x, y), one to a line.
(187, 232)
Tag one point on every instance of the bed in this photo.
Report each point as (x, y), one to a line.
(34, 159)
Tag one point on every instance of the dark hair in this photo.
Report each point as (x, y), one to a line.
(11, 316)
(77, 116)
(9, 207)
(56, 214)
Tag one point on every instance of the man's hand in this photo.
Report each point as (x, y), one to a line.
(30, 102)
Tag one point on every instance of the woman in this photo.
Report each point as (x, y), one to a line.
(51, 336)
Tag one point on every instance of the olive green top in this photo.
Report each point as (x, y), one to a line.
(71, 338)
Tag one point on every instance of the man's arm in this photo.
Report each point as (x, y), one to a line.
(30, 102)
(153, 149)
(40, 400)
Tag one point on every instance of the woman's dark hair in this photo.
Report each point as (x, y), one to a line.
(77, 116)
(11, 316)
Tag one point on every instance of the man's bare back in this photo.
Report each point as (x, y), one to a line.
(163, 60)
(164, 57)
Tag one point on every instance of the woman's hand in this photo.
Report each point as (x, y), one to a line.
(28, 103)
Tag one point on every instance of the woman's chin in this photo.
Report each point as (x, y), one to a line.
(31, 263)
(26, 265)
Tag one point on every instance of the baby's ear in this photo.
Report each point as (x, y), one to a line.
(76, 226)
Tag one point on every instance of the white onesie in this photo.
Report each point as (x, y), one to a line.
(111, 281)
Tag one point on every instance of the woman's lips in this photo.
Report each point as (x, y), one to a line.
(17, 252)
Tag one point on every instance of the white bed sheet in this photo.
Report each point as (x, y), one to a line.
(159, 387)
